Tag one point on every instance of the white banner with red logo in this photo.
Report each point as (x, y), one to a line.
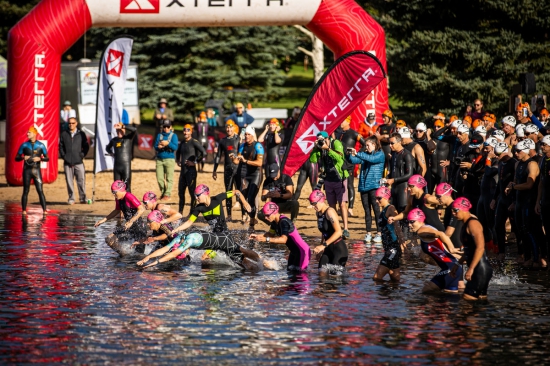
(341, 89)
(110, 94)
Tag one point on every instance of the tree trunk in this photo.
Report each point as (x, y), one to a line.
(316, 54)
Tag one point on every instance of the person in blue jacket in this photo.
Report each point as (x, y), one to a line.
(240, 116)
(372, 167)
(166, 145)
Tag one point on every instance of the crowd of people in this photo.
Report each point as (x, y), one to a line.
(452, 182)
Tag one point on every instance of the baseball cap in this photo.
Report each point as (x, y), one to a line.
(323, 133)
(404, 132)
(163, 100)
(273, 170)
(421, 127)
(166, 123)
(67, 102)
(239, 105)
(476, 141)
(509, 120)
(463, 128)
(476, 123)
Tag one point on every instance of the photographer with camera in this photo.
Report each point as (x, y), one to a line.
(279, 188)
(329, 153)
(166, 145)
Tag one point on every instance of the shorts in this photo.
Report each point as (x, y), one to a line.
(336, 192)
(445, 281)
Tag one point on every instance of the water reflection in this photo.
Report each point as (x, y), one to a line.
(66, 297)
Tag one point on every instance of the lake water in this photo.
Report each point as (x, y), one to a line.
(65, 296)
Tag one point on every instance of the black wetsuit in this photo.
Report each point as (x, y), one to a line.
(309, 171)
(202, 137)
(193, 151)
(250, 177)
(335, 253)
(31, 170)
(401, 169)
(487, 190)
(445, 260)
(463, 154)
(483, 271)
(289, 128)
(213, 213)
(223, 243)
(443, 151)
(228, 145)
(432, 217)
(545, 204)
(300, 253)
(506, 173)
(272, 150)
(410, 147)
(450, 220)
(349, 139)
(123, 154)
(387, 130)
(391, 238)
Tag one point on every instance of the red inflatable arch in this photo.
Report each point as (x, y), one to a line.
(37, 42)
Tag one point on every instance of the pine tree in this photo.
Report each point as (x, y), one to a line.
(11, 12)
(444, 54)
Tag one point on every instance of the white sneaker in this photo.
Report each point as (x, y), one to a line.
(377, 239)
(368, 238)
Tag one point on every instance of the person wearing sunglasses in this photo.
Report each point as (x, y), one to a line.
(73, 147)
(283, 231)
(477, 112)
(121, 148)
(401, 169)
(542, 206)
(532, 133)
(131, 209)
(333, 249)
(420, 199)
(211, 209)
(525, 188)
(443, 194)
(392, 238)
(415, 149)
(437, 247)
(151, 202)
(479, 271)
(189, 153)
(166, 144)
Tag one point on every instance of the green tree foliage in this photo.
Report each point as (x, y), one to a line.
(443, 54)
(185, 65)
(10, 13)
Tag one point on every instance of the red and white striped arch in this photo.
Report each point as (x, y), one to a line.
(37, 42)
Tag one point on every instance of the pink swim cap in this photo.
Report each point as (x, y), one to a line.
(155, 216)
(202, 189)
(383, 192)
(317, 196)
(416, 214)
(418, 181)
(149, 197)
(270, 208)
(443, 189)
(118, 186)
(462, 203)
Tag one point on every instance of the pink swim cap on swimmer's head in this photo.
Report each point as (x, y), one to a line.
(416, 214)
(317, 196)
(443, 189)
(270, 208)
(118, 186)
(149, 197)
(155, 216)
(418, 181)
(462, 203)
(383, 192)
(202, 189)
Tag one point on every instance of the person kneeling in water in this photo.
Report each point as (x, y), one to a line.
(392, 238)
(333, 249)
(131, 209)
(283, 231)
(479, 271)
(439, 247)
(244, 258)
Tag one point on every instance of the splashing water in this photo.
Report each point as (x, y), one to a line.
(333, 269)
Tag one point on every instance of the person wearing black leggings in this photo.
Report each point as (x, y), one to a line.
(121, 148)
(542, 206)
(32, 152)
(189, 153)
(309, 171)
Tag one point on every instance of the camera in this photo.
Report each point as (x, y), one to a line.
(458, 160)
(349, 150)
(320, 143)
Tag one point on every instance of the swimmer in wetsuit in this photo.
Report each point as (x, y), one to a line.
(228, 148)
(272, 137)
(438, 247)
(32, 152)
(401, 169)
(211, 209)
(150, 201)
(243, 257)
(283, 231)
(132, 210)
(250, 158)
(333, 249)
(189, 153)
(310, 171)
(392, 238)
(123, 147)
(479, 271)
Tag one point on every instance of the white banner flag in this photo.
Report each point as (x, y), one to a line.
(110, 94)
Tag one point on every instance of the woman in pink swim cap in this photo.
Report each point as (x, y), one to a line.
(479, 269)
(150, 201)
(392, 238)
(436, 245)
(420, 199)
(333, 249)
(443, 194)
(283, 231)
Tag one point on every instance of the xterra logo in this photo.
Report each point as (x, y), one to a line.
(140, 6)
(115, 61)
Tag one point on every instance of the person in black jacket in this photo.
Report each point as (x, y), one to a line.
(123, 148)
(73, 147)
(401, 169)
